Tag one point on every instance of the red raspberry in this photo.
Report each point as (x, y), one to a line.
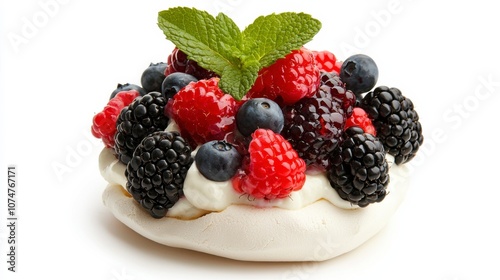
(360, 118)
(178, 62)
(104, 122)
(327, 61)
(273, 169)
(202, 111)
(293, 77)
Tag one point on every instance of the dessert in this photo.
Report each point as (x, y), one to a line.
(254, 147)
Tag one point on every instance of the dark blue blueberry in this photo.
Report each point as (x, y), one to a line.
(259, 113)
(126, 87)
(153, 76)
(175, 82)
(217, 160)
(360, 73)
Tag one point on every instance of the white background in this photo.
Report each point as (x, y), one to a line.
(59, 61)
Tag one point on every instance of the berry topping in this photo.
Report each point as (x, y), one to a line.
(396, 122)
(217, 160)
(127, 87)
(292, 78)
(259, 113)
(203, 112)
(330, 81)
(327, 62)
(156, 173)
(359, 171)
(360, 73)
(153, 76)
(272, 170)
(142, 117)
(175, 82)
(179, 62)
(104, 122)
(360, 119)
(314, 127)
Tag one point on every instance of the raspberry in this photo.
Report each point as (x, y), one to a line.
(327, 62)
(273, 169)
(178, 62)
(359, 171)
(331, 81)
(104, 122)
(293, 77)
(142, 117)
(203, 111)
(156, 173)
(360, 119)
(314, 127)
(396, 122)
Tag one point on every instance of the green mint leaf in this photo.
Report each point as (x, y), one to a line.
(271, 37)
(239, 80)
(196, 33)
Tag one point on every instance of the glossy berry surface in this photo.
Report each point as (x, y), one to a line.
(127, 87)
(142, 117)
(179, 62)
(361, 119)
(203, 112)
(217, 160)
(360, 73)
(330, 82)
(290, 78)
(327, 62)
(153, 77)
(396, 121)
(273, 169)
(104, 122)
(359, 171)
(314, 127)
(175, 82)
(156, 172)
(259, 113)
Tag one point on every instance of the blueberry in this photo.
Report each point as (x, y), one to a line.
(126, 87)
(259, 113)
(153, 76)
(360, 73)
(217, 160)
(175, 82)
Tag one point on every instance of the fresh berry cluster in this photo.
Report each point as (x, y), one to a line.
(306, 112)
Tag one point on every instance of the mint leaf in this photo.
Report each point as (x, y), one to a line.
(217, 44)
(271, 37)
(196, 33)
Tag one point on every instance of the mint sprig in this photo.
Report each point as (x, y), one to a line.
(217, 44)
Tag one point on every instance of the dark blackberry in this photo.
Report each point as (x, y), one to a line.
(142, 117)
(314, 127)
(359, 170)
(156, 173)
(396, 122)
(331, 81)
(179, 62)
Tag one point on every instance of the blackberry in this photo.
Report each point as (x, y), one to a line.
(359, 170)
(331, 81)
(314, 127)
(142, 117)
(156, 173)
(396, 122)
(179, 62)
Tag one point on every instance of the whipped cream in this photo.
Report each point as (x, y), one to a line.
(202, 196)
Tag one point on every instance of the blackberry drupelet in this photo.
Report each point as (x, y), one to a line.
(179, 62)
(359, 171)
(314, 127)
(156, 173)
(331, 81)
(396, 122)
(142, 117)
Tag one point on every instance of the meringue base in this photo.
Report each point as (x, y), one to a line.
(317, 232)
